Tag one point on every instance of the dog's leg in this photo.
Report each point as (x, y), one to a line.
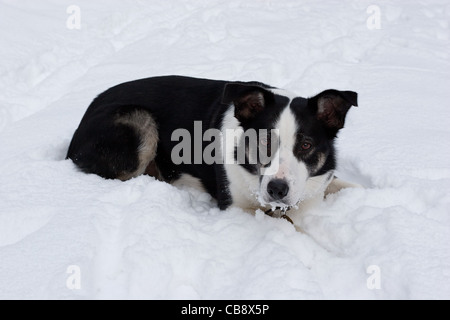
(146, 129)
(334, 186)
(337, 184)
(120, 144)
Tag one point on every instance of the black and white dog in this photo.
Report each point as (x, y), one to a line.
(174, 128)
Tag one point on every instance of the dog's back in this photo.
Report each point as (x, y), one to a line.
(119, 136)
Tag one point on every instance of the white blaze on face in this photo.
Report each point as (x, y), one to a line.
(290, 169)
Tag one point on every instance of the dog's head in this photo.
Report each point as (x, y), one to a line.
(293, 153)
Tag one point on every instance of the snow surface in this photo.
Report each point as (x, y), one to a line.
(146, 239)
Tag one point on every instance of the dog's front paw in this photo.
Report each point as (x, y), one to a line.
(337, 185)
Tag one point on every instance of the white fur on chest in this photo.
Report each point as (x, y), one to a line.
(243, 186)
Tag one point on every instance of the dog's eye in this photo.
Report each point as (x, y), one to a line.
(264, 141)
(306, 146)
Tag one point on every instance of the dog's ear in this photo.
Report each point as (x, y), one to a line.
(248, 99)
(332, 106)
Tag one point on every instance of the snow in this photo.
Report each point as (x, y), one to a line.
(147, 239)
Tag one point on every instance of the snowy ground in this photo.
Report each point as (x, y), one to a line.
(147, 239)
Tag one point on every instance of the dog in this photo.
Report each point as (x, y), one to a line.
(136, 127)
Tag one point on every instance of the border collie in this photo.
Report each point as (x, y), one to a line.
(209, 134)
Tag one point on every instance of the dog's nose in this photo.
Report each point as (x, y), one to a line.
(277, 189)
